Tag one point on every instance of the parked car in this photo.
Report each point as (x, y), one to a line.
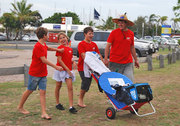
(166, 37)
(33, 38)
(148, 38)
(100, 38)
(173, 43)
(3, 37)
(176, 37)
(157, 38)
(153, 46)
(142, 49)
(164, 41)
(25, 38)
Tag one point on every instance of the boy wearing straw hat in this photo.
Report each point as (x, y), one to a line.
(120, 43)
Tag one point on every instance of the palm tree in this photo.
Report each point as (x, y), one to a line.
(24, 14)
(175, 23)
(163, 19)
(138, 26)
(151, 23)
(108, 24)
(176, 9)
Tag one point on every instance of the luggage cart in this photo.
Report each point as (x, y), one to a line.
(104, 84)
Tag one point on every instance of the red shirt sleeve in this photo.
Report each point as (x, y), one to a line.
(111, 37)
(59, 53)
(39, 51)
(81, 48)
(132, 39)
(97, 49)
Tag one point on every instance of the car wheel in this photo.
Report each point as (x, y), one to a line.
(138, 54)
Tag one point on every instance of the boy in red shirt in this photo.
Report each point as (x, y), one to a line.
(66, 75)
(83, 47)
(38, 72)
(121, 45)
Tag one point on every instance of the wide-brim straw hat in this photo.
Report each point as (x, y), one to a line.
(123, 18)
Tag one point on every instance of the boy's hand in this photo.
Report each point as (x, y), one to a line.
(60, 50)
(106, 62)
(59, 68)
(74, 65)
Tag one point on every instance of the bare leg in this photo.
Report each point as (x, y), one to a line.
(81, 97)
(57, 91)
(70, 91)
(43, 104)
(23, 100)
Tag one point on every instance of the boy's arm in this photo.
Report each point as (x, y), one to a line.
(74, 64)
(55, 49)
(64, 66)
(133, 52)
(44, 60)
(83, 55)
(106, 53)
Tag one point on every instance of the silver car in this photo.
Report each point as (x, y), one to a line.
(3, 37)
(100, 38)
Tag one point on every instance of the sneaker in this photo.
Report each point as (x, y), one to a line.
(73, 110)
(60, 107)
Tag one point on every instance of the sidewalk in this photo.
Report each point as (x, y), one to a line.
(17, 58)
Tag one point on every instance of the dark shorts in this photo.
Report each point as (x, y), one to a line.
(86, 82)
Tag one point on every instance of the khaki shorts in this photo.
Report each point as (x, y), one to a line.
(125, 69)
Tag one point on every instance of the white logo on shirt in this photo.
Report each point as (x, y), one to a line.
(93, 48)
(128, 38)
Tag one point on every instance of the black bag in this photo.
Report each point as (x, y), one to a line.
(122, 95)
(140, 92)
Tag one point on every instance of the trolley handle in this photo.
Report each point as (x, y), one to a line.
(154, 111)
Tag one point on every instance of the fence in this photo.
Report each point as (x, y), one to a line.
(16, 70)
(172, 57)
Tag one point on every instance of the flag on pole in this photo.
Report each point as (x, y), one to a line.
(96, 14)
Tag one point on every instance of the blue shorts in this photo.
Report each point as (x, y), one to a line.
(33, 82)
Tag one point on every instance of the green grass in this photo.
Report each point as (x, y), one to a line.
(163, 52)
(164, 83)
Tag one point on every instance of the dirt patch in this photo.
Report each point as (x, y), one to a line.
(18, 59)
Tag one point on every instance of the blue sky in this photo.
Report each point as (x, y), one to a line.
(114, 8)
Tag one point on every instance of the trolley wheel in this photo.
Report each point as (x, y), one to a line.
(132, 112)
(110, 113)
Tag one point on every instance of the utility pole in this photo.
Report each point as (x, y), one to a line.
(142, 30)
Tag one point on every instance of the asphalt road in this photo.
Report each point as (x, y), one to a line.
(25, 45)
(22, 44)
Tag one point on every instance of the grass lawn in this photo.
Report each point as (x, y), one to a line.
(164, 83)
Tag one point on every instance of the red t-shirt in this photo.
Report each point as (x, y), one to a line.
(66, 56)
(121, 42)
(85, 47)
(37, 67)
